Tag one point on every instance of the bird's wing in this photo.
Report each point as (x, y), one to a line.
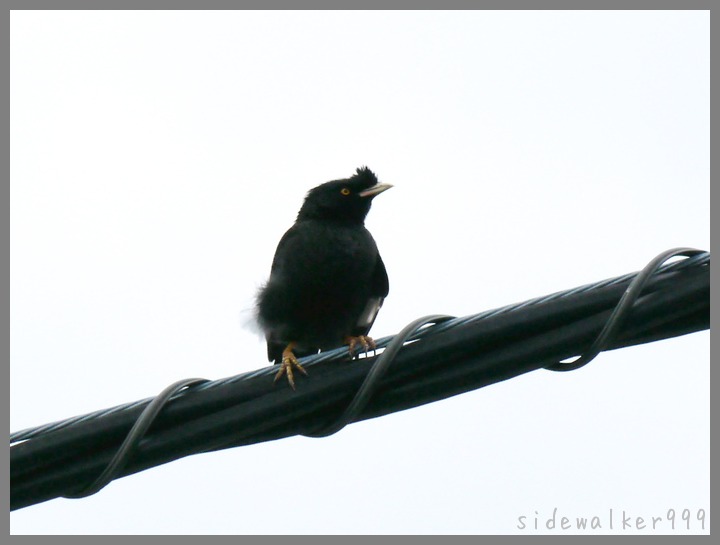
(379, 288)
(280, 253)
(380, 285)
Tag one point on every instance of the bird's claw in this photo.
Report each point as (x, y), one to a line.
(289, 361)
(366, 342)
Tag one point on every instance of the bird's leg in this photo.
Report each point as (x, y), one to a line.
(363, 340)
(288, 362)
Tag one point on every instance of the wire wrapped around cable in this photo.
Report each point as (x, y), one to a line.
(453, 356)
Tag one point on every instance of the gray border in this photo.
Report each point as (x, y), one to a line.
(220, 4)
(367, 5)
(713, 276)
(5, 339)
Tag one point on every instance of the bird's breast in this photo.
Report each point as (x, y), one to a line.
(333, 256)
(320, 284)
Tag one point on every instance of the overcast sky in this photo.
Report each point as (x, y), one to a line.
(157, 157)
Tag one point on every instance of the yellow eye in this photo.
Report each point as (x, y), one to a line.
(345, 191)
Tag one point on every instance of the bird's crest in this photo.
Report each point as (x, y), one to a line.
(364, 173)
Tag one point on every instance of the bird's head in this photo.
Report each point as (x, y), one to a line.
(345, 201)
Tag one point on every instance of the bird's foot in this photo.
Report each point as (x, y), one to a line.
(289, 361)
(363, 340)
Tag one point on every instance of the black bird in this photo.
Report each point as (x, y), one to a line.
(327, 280)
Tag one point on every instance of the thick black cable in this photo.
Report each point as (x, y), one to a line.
(624, 306)
(454, 356)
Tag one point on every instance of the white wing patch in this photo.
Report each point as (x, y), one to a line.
(368, 315)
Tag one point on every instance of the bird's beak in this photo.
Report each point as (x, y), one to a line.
(375, 190)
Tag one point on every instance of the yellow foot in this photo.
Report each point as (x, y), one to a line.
(286, 367)
(366, 342)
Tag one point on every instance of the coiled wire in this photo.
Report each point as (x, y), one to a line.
(392, 345)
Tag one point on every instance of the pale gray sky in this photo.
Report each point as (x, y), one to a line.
(158, 156)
